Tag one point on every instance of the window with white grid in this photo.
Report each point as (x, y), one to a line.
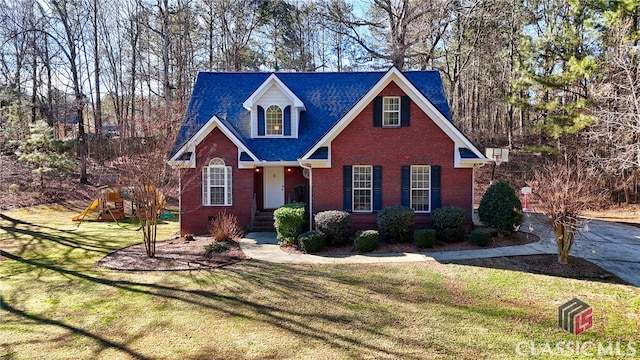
(420, 188)
(391, 111)
(362, 187)
(216, 184)
(273, 117)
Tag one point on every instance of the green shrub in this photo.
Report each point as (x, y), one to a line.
(448, 217)
(451, 235)
(366, 240)
(500, 208)
(480, 237)
(215, 247)
(424, 238)
(395, 223)
(289, 222)
(335, 224)
(311, 241)
(449, 223)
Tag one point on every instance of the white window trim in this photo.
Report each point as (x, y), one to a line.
(385, 111)
(266, 123)
(217, 163)
(353, 189)
(411, 188)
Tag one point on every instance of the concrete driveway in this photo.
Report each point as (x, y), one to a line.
(614, 247)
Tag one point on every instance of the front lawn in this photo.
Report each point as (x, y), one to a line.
(55, 304)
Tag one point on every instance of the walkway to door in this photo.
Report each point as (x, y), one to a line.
(612, 246)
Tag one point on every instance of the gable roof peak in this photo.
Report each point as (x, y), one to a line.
(273, 79)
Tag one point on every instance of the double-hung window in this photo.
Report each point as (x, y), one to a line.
(274, 123)
(391, 111)
(420, 188)
(216, 184)
(362, 188)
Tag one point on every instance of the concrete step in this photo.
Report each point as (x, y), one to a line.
(263, 222)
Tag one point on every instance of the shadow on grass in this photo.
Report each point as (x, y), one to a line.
(75, 330)
(352, 292)
(280, 317)
(362, 300)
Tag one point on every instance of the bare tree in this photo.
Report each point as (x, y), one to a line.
(562, 192)
(145, 172)
(614, 138)
(70, 45)
(391, 20)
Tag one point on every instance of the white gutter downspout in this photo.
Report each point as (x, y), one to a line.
(308, 167)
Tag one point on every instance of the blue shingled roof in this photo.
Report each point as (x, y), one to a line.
(327, 98)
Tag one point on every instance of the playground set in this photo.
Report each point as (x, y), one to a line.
(115, 202)
(109, 204)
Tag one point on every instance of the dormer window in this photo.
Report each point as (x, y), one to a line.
(275, 110)
(391, 111)
(274, 121)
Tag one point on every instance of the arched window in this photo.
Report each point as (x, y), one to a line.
(216, 183)
(273, 118)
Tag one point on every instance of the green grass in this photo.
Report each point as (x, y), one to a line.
(55, 304)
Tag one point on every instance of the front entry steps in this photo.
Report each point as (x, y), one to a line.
(263, 221)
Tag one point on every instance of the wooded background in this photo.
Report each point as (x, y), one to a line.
(542, 76)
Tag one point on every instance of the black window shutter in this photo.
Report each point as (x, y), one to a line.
(346, 188)
(261, 123)
(287, 121)
(405, 183)
(377, 188)
(377, 111)
(435, 187)
(405, 106)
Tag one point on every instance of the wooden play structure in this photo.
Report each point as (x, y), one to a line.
(116, 202)
(110, 204)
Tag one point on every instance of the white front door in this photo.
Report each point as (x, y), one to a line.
(273, 187)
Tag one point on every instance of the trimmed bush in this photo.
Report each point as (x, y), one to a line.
(311, 241)
(289, 221)
(335, 224)
(451, 235)
(366, 240)
(448, 217)
(395, 223)
(500, 208)
(480, 237)
(424, 238)
(215, 247)
(449, 223)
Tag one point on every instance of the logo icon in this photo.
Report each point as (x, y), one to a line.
(575, 316)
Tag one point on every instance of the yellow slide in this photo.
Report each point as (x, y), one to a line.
(93, 205)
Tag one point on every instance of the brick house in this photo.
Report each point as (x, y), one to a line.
(359, 142)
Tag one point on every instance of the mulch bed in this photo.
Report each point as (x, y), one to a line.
(178, 254)
(517, 238)
(577, 268)
(174, 254)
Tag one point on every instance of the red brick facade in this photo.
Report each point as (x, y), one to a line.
(194, 217)
(421, 143)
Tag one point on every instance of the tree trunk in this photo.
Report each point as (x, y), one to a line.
(564, 231)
